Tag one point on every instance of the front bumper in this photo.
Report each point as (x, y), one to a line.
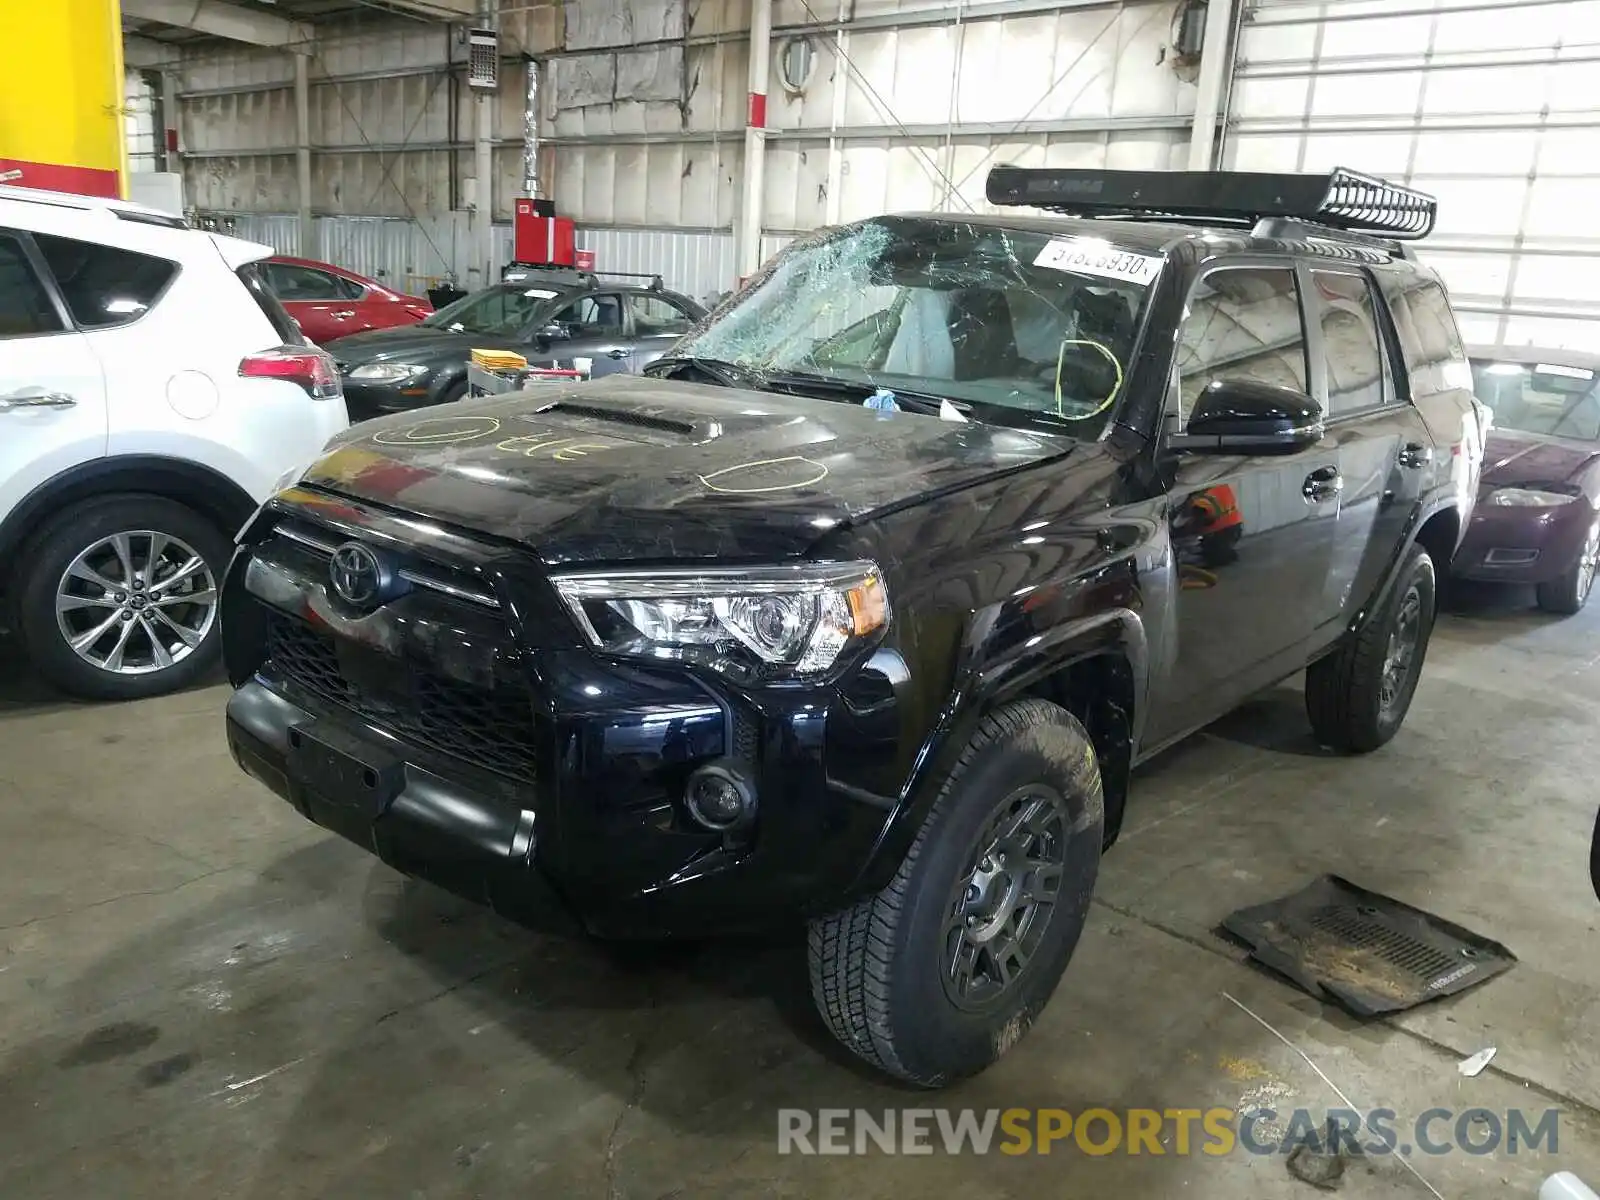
(577, 816)
(471, 842)
(1506, 544)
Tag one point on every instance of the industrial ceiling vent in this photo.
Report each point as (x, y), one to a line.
(483, 59)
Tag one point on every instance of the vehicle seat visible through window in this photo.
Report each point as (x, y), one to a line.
(982, 335)
(1105, 318)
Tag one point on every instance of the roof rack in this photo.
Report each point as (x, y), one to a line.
(1341, 200)
(655, 280)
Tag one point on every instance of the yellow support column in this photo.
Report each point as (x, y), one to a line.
(61, 96)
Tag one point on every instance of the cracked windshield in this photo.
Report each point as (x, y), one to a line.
(970, 320)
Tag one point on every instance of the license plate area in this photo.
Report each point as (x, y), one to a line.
(342, 770)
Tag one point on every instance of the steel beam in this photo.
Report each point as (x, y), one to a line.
(1216, 67)
(703, 137)
(219, 19)
(146, 54)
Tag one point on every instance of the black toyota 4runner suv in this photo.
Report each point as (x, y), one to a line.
(861, 606)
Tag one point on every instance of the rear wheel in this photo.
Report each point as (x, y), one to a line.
(118, 597)
(942, 972)
(1358, 696)
(1569, 593)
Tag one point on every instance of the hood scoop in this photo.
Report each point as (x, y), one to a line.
(618, 416)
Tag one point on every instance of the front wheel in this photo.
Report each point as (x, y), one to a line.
(943, 971)
(1358, 696)
(1570, 592)
(118, 597)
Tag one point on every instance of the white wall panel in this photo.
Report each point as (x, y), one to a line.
(1488, 104)
(138, 123)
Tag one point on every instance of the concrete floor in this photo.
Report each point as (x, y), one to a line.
(201, 995)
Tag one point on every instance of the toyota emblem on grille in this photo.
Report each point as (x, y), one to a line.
(357, 574)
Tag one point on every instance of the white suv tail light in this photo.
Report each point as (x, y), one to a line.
(312, 369)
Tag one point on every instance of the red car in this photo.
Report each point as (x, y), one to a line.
(330, 302)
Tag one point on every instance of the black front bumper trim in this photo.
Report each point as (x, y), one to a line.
(479, 846)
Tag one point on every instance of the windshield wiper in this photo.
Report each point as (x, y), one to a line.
(913, 401)
(729, 374)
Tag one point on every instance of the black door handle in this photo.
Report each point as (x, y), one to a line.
(618, 353)
(1415, 454)
(1322, 484)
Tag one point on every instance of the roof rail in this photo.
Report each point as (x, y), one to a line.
(1290, 230)
(1341, 200)
(655, 280)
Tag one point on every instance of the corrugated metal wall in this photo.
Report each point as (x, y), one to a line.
(905, 104)
(643, 105)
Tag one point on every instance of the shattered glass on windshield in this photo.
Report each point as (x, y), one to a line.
(975, 314)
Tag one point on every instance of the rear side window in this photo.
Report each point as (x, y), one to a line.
(1349, 342)
(25, 307)
(283, 324)
(1243, 323)
(104, 285)
(290, 281)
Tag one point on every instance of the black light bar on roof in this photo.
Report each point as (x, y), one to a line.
(1340, 199)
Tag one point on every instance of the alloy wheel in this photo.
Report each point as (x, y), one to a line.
(1401, 654)
(1587, 562)
(1002, 905)
(136, 602)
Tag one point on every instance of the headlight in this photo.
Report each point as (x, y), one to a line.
(1515, 497)
(387, 372)
(762, 621)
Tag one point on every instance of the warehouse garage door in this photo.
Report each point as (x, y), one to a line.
(1508, 139)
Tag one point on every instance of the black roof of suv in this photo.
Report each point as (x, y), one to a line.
(862, 603)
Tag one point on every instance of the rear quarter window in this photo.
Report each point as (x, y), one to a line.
(104, 286)
(283, 324)
(1431, 344)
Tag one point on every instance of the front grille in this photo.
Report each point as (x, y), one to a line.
(490, 728)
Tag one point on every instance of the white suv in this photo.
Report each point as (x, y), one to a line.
(152, 392)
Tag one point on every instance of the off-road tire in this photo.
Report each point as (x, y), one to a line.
(1344, 689)
(876, 968)
(43, 559)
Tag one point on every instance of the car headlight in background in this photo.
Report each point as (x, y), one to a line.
(765, 621)
(387, 372)
(1517, 497)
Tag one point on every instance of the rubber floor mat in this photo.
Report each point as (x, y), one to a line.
(1368, 953)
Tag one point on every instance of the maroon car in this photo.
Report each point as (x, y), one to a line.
(1538, 514)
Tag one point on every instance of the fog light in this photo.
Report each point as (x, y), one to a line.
(720, 798)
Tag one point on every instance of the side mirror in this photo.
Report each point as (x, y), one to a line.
(555, 332)
(1243, 416)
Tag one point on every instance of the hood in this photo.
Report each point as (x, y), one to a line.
(1511, 458)
(406, 342)
(627, 468)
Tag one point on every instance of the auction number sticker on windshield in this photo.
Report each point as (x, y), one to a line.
(1088, 257)
(541, 294)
